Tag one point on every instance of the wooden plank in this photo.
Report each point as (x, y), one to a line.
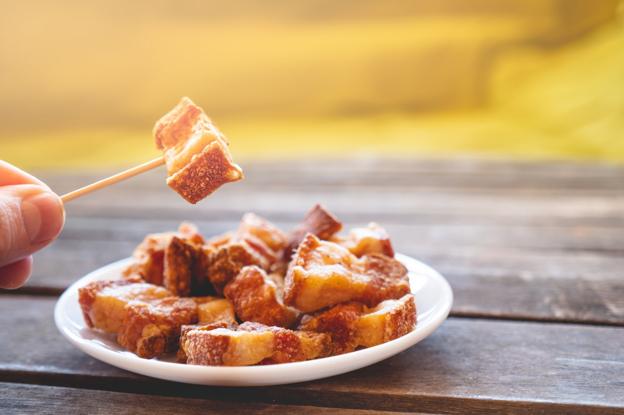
(475, 366)
(498, 192)
(40, 400)
(412, 172)
(383, 205)
(149, 198)
(578, 301)
(607, 219)
(410, 196)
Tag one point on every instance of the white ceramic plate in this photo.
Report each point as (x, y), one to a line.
(433, 302)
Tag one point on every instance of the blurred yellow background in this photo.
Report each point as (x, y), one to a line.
(83, 82)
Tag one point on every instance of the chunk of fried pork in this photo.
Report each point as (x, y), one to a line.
(352, 325)
(253, 343)
(258, 297)
(256, 242)
(196, 152)
(323, 274)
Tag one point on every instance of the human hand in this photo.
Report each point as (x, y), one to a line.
(31, 216)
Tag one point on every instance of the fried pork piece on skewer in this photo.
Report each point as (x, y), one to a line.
(372, 239)
(151, 329)
(196, 152)
(255, 242)
(352, 324)
(323, 274)
(319, 222)
(104, 303)
(253, 343)
(149, 255)
(258, 297)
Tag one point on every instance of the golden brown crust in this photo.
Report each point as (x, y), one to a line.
(209, 347)
(253, 343)
(323, 274)
(252, 225)
(218, 241)
(190, 234)
(262, 236)
(227, 262)
(152, 329)
(319, 222)
(352, 325)
(185, 269)
(290, 345)
(206, 172)
(103, 303)
(178, 267)
(149, 255)
(340, 322)
(373, 239)
(279, 267)
(387, 279)
(215, 309)
(86, 298)
(387, 321)
(256, 297)
(197, 155)
(358, 294)
(255, 242)
(149, 259)
(177, 125)
(181, 354)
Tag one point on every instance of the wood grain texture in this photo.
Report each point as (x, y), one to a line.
(387, 203)
(457, 172)
(477, 366)
(40, 400)
(396, 191)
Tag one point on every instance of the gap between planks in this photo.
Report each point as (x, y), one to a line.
(37, 399)
(423, 404)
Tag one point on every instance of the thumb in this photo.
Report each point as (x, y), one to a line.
(31, 216)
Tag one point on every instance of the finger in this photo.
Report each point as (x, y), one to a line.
(10, 174)
(30, 218)
(14, 275)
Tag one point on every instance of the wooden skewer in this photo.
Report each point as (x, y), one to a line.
(141, 168)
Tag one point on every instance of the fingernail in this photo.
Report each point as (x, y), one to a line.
(43, 216)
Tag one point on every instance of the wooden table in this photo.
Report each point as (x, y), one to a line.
(534, 253)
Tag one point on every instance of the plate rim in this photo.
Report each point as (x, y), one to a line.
(181, 372)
